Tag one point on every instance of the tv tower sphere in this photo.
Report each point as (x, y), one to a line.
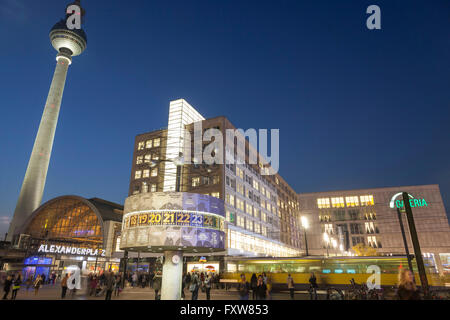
(68, 42)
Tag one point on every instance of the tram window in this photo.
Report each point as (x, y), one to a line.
(326, 271)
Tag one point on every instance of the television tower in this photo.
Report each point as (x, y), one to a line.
(68, 43)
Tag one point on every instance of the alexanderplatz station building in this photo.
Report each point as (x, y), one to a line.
(262, 214)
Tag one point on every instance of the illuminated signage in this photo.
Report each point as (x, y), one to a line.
(412, 202)
(44, 248)
(174, 218)
(397, 201)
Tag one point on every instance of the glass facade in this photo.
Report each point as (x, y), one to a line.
(67, 220)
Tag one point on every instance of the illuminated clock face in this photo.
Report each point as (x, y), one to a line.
(176, 259)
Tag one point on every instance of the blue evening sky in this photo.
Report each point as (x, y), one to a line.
(355, 108)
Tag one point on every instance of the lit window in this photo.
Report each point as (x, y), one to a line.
(239, 173)
(147, 158)
(155, 156)
(367, 200)
(148, 144)
(329, 228)
(216, 179)
(139, 159)
(196, 181)
(156, 142)
(370, 228)
(239, 204)
(141, 145)
(144, 187)
(337, 202)
(263, 217)
(230, 199)
(138, 174)
(146, 173)
(153, 188)
(249, 225)
(240, 188)
(257, 228)
(255, 184)
(372, 241)
(155, 172)
(249, 208)
(352, 201)
(323, 203)
(215, 194)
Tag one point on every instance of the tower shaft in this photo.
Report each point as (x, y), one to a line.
(34, 182)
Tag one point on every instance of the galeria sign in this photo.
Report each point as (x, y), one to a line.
(70, 250)
(413, 203)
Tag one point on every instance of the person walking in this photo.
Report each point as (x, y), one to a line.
(253, 284)
(243, 288)
(64, 286)
(134, 279)
(195, 285)
(109, 285)
(157, 281)
(117, 287)
(37, 284)
(268, 284)
(93, 285)
(208, 283)
(407, 289)
(7, 286)
(261, 289)
(29, 282)
(313, 286)
(16, 286)
(291, 286)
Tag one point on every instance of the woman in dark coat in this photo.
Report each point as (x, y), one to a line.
(7, 287)
(261, 289)
(253, 284)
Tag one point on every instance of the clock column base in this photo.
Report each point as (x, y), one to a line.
(172, 275)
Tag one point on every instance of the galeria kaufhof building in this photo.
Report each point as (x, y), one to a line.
(339, 220)
(71, 231)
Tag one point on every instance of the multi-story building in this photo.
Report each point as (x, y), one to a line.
(261, 210)
(339, 220)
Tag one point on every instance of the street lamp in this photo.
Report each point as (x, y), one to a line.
(305, 226)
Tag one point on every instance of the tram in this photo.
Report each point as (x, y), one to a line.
(332, 271)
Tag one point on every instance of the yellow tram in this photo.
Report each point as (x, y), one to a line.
(333, 271)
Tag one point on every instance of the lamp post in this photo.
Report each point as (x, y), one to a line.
(305, 226)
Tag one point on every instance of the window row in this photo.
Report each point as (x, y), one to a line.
(248, 207)
(148, 144)
(146, 173)
(147, 158)
(198, 181)
(351, 201)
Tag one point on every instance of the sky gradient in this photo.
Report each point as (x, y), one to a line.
(355, 108)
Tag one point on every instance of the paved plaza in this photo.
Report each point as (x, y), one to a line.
(53, 292)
